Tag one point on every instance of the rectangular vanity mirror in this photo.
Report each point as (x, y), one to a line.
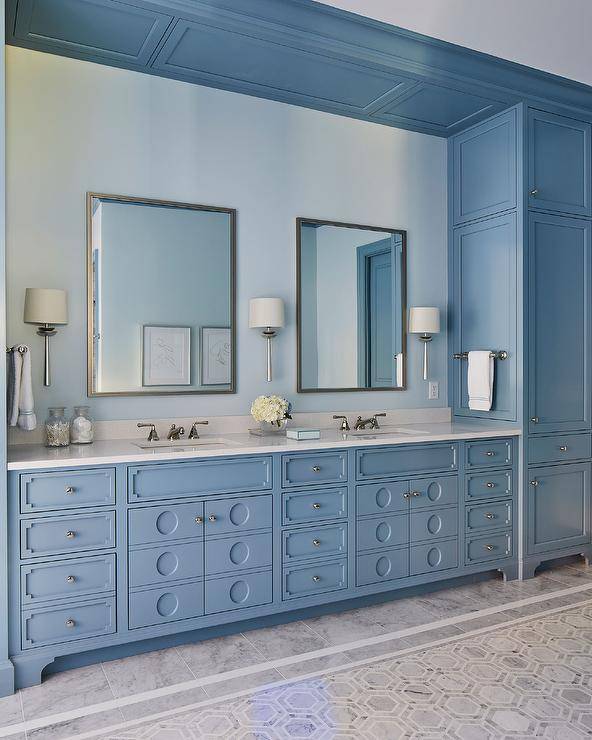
(351, 307)
(161, 297)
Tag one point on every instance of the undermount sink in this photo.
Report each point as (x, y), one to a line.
(391, 431)
(183, 445)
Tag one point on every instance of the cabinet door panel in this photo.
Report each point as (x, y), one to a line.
(559, 324)
(559, 163)
(483, 309)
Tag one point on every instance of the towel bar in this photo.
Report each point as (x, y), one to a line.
(501, 355)
(21, 348)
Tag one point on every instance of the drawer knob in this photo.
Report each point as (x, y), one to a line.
(316, 543)
(489, 453)
(199, 519)
(70, 579)
(316, 506)
(316, 579)
(406, 494)
(534, 192)
(489, 484)
(534, 419)
(316, 468)
(489, 515)
(415, 494)
(563, 448)
(212, 517)
(70, 623)
(70, 534)
(69, 490)
(489, 548)
(534, 482)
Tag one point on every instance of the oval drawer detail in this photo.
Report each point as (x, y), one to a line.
(315, 542)
(489, 485)
(238, 592)
(489, 516)
(320, 468)
(237, 514)
(197, 479)
(428, 525)
(67, 578)
(55, 535)
(433, 557)
(300, 507)
(382, 498)
(238, 553)
(426, 492)
(64, 624)
(405, 460)
(387, 565)
(559, 448)
(314, 579)
(166, 523)
(488, 454)
(387, 531)
(168, 604)
(488, 547)
(174, 562)
(67, 490)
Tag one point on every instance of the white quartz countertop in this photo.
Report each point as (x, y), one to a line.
(110, 452)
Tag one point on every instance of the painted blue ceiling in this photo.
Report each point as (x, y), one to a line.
(295, 51)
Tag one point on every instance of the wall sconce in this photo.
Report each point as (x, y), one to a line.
(425, 321)
(267, 314)
(48, 308)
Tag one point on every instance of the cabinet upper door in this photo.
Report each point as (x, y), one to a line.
(483, 309)
(559, 323)
(558, 164)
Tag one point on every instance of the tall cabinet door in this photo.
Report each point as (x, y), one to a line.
(559, 314)
(483, 309)
(559, 164)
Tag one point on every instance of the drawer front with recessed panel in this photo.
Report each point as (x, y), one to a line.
(559, 448)
(67, 490)
(383, 462)
(300, 507)
(67, 579)
(488, 454)
(317, 469)
(308, 580)
(315, 542)
(58, 624)
(66, 534)
(488, 485)
(488, 547)
(483, 517)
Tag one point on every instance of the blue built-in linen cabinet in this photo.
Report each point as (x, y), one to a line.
(114, 559)
(543, 319)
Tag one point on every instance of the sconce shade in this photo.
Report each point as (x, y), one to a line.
(45, 306)
(264, 312)
(424, 320)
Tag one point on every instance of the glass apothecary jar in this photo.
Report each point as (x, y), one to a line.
(57, 427)
(81, 426)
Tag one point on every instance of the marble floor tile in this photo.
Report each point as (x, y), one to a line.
(438, 633)
(145, 672)
(399, 615)
(10, 710)
(212, 657)
(62, 730)
(311, 665)
(163, 703)
(61, 692)
(338, 629)
(378, 650)
(448, 603)
(489, 620)
(250, 681)
(285, 640)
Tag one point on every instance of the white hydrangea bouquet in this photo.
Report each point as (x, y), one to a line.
(272, 412)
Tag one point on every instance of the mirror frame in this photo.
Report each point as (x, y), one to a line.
(321, 222)
(90, 292)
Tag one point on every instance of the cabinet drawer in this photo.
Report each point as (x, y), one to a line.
(428, 492)
(429, 525)
(489, 516)
(488, 547)
(196, 479)
(315, 542)
(559, 448)
(315, 579)
(175, 562)
(315, 469)
(386, 531)
(66, 623)
(67, 490)
(489, 485)
(239, 592)
(404, 460)
(165, 523)
(238, 514)
(67, 579)
(387, 565)
(64, 534)
(433, 557)
(238, 553)
(168, 604)
(300, 507)
(382, 498)
(492, 453)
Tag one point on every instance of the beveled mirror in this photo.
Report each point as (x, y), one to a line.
(351, 307)
(161, 297)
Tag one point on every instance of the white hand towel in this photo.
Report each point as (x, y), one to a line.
(13, 385)
(480, 380)
(26, 418)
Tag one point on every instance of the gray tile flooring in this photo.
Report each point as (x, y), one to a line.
(134, 688)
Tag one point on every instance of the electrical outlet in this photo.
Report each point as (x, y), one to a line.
(433, 390)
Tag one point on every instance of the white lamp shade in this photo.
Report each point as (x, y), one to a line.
(265, 312)
(45, 306)
(424, 320)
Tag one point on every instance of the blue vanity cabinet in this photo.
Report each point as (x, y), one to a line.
(559, 164)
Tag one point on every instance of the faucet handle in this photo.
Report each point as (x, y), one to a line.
(193, 433)
(344, 427)
(375, 419)
(152, 434)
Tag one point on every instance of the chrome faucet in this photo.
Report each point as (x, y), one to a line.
(152, 434)
(372, 422)
(175, 432)
(344, 426)
(193, 433)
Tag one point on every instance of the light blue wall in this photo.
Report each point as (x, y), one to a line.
(115, 131)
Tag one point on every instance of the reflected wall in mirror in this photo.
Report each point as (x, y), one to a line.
(351, 307)
(161, 297)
